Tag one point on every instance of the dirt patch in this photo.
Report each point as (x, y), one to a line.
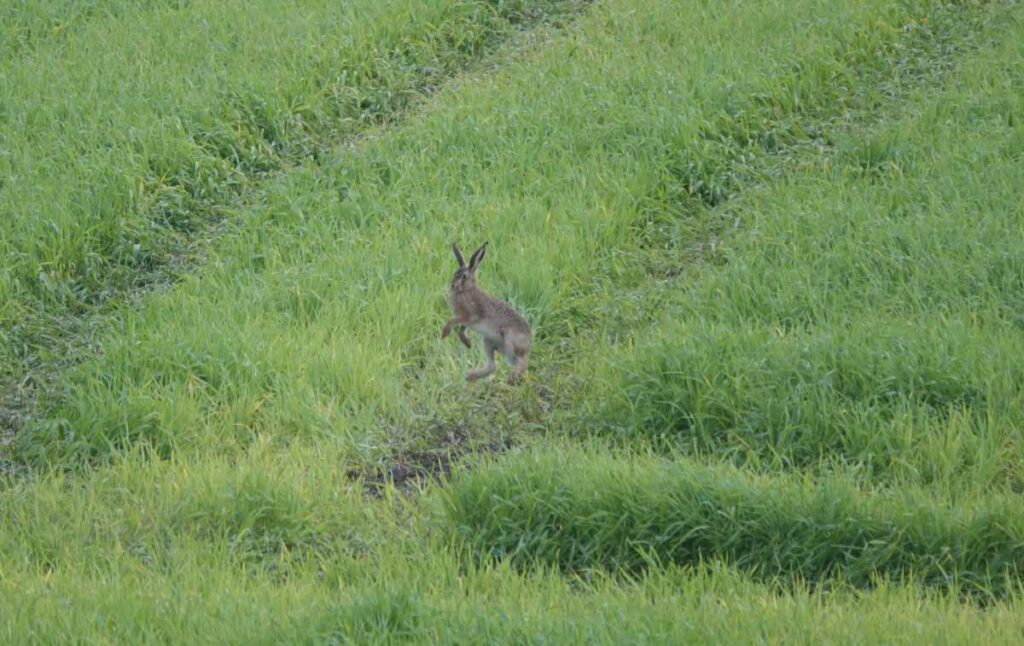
(410, 469)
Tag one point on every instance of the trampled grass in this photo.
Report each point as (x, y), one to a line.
(771, 252)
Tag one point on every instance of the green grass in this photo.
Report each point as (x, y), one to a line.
(329, 251)
(131, 128)
(580, 511)
(870, 311)
(771, 252)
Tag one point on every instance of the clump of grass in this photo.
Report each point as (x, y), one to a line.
(152, 550)
(578, 510)
(876, 391)
(260, 515)
(485, 606)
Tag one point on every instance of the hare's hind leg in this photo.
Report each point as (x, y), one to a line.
(479, 373)
(519, 369)
(517, 351)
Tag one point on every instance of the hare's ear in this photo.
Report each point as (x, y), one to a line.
(458, 256)
(477, 256)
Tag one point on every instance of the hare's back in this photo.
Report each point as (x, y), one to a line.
(499, 319)
(507, 317)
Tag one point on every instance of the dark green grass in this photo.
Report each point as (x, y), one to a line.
(578, 511)
(933, 402)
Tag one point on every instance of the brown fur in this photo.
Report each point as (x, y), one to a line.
(502, 328)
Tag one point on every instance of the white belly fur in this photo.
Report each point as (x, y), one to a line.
(486, 331)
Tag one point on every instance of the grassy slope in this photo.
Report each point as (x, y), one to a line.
(129, 129)
(598, 167)
(329, 253)
(865, 322)
(871, 311)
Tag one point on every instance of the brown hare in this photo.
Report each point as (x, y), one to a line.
(501, 327)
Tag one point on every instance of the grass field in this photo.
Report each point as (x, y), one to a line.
(773, 255)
